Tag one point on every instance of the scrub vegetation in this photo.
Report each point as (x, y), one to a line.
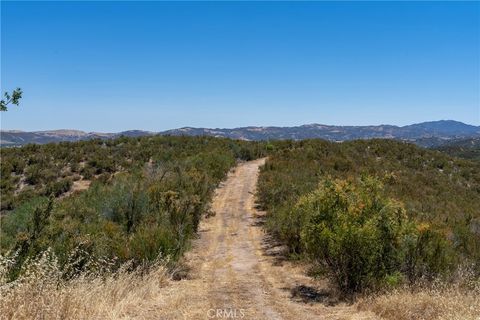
(376, 215)
(146, 198)
(385, 221)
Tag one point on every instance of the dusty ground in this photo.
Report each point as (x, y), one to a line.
(236, 274)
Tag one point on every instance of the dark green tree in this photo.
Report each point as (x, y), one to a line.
(13, 98)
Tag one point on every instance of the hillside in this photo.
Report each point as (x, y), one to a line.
(61, 168)
(433, 185)
(440, 130)
(433, 133)
(18, 138)
(462, 148)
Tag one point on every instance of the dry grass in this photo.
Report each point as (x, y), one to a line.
(455, 301)
(40, 294)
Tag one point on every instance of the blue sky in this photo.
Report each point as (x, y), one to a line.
(112, 66)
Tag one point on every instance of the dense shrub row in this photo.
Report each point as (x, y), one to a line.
(373, 213)
(150, 204)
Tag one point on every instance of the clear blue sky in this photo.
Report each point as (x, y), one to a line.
(112, 66)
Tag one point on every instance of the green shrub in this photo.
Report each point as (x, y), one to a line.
(125, 202)
(287, 226)
(19, 221)
(18, 165)
(29, 227)
(365, 240)
(428, 254)
(6, 201)
(57, 188)
(88, 172)
(33, 174)
(150, 241)
(353, 231)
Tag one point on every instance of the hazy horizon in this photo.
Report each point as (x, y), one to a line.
(295, 125)
(154, 66)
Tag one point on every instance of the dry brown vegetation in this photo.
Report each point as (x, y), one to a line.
(41, 293)
(438, 302)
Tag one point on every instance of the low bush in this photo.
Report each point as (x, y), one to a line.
(362, 238)
(354, 231)
(365, 240)
(58, 187)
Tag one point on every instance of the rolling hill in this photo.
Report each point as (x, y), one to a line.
(434, 133)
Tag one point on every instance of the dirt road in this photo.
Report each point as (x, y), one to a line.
(235, 273)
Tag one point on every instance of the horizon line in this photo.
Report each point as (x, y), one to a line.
(231, 128)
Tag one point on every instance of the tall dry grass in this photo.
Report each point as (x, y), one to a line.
(455, 300)
(40, 293)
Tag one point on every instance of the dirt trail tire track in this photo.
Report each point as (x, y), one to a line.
(231, 272)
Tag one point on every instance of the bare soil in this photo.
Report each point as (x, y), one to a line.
(235, 271)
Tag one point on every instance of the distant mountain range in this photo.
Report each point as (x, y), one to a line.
(18, 138)
(432, 133)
